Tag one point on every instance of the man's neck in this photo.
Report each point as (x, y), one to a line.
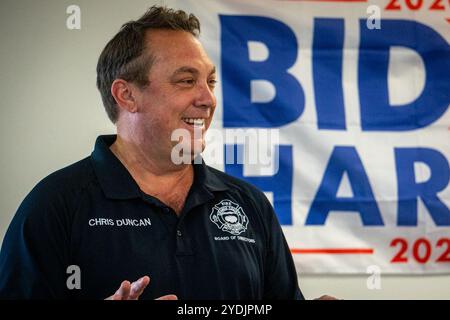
(155, 174)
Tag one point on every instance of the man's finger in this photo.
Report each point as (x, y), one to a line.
(115, 296)
(124, 291)
(121, 293)
(138, 287)
(326, 297)
(168, 297)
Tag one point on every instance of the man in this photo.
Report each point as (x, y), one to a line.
(129, 211)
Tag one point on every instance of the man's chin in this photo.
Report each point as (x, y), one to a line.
(196, 151)
(187, 153)
(198, 146)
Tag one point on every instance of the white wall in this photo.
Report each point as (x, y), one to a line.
(51, 113)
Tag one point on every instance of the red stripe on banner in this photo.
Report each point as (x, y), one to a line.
(448, 20)
(333, 251)
(326, 0)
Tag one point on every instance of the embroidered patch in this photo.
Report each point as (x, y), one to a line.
(229, 216)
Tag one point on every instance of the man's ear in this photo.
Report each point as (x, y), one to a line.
(124, 94)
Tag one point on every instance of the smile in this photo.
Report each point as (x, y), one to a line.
(196, 122)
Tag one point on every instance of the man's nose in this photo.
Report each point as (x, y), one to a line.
(205, 96)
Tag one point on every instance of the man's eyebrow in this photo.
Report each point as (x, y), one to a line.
(191, 70)
(185, 70)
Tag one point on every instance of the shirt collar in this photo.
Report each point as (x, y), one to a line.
(205, 176)
(117, 183)
(115, 180)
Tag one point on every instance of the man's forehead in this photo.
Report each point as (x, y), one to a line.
(179, 51)
(168, 40)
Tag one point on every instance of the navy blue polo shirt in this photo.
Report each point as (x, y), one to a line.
(226, 243)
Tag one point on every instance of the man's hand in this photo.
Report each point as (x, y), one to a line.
(132, 291)
(326, 297)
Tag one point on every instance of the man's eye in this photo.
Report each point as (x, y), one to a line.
(187, 81)
(212, 82)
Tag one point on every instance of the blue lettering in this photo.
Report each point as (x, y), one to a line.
(376, 112)
(345, 159)
(409, 190)
(238, 72)
(327, 73)
(279, 184)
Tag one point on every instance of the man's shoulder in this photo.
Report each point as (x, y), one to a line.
(56, 195)
(64, 183)
(74, 175)
(239, 185)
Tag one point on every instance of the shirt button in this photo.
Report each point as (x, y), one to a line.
(179, 233)
(166, 210)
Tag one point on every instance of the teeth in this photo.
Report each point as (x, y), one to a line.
(195, 121)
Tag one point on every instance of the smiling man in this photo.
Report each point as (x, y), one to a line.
(129, 211)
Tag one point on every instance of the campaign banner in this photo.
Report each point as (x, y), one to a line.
(350, 98)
